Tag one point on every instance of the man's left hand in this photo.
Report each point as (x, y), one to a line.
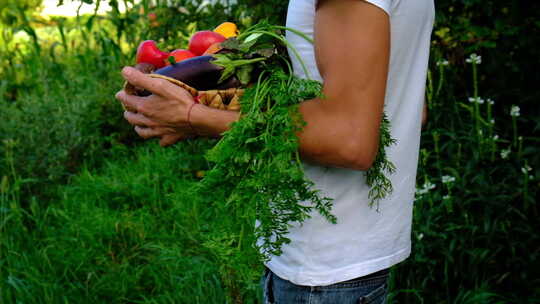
(164, 114)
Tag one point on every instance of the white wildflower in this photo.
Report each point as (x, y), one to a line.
(474, 59)
(429, 186)
(448, 179)
(526, 169)
(183, 10)
(421, 192)
(490, 101)
(443, 62)
(477, 100)
(425, 188)
(514, 111)
(495, 137)
(505, 153)
(492, 121)
(420, 236)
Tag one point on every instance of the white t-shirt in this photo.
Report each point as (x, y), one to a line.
(364, 240)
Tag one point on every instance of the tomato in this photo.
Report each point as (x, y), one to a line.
(201, 41)
(180, 55)
(148, 52)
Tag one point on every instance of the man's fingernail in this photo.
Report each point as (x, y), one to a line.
(127, 71)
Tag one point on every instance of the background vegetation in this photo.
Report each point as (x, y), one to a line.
(91, 214)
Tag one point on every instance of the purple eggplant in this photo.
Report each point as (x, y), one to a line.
(146, 68)
(231, 82)
(198, 72)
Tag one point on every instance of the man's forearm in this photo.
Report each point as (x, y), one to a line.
(331, 138)
(327, 139)
(212, 122)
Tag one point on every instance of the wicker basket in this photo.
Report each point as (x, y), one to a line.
(228, 99)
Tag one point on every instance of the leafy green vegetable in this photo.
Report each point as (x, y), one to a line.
(256, 175)
(262, 40)
(380, 184)
(231, 64)
(257, 165)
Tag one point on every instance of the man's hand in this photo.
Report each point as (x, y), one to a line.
(164, 114)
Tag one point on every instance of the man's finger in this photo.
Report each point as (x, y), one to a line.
(137, 119)
(131, 103)
(155, 85)
(147, 133)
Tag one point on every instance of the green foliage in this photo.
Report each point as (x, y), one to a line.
(15, 13)
(257, 172)
(130, 233)
(475, 209)
(506, 34)
(377, 175)
(56, 116)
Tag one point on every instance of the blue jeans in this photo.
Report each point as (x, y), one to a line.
(370, 289)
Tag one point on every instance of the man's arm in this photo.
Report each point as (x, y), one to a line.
(352, 45)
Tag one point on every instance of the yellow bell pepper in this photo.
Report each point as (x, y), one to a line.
(227, 29)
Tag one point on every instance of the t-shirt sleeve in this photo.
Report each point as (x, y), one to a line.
(383, 4)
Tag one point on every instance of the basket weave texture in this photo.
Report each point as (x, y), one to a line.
(228, 99)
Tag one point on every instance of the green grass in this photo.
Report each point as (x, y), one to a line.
(130, 232)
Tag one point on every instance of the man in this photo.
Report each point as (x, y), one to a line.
(371, 55)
